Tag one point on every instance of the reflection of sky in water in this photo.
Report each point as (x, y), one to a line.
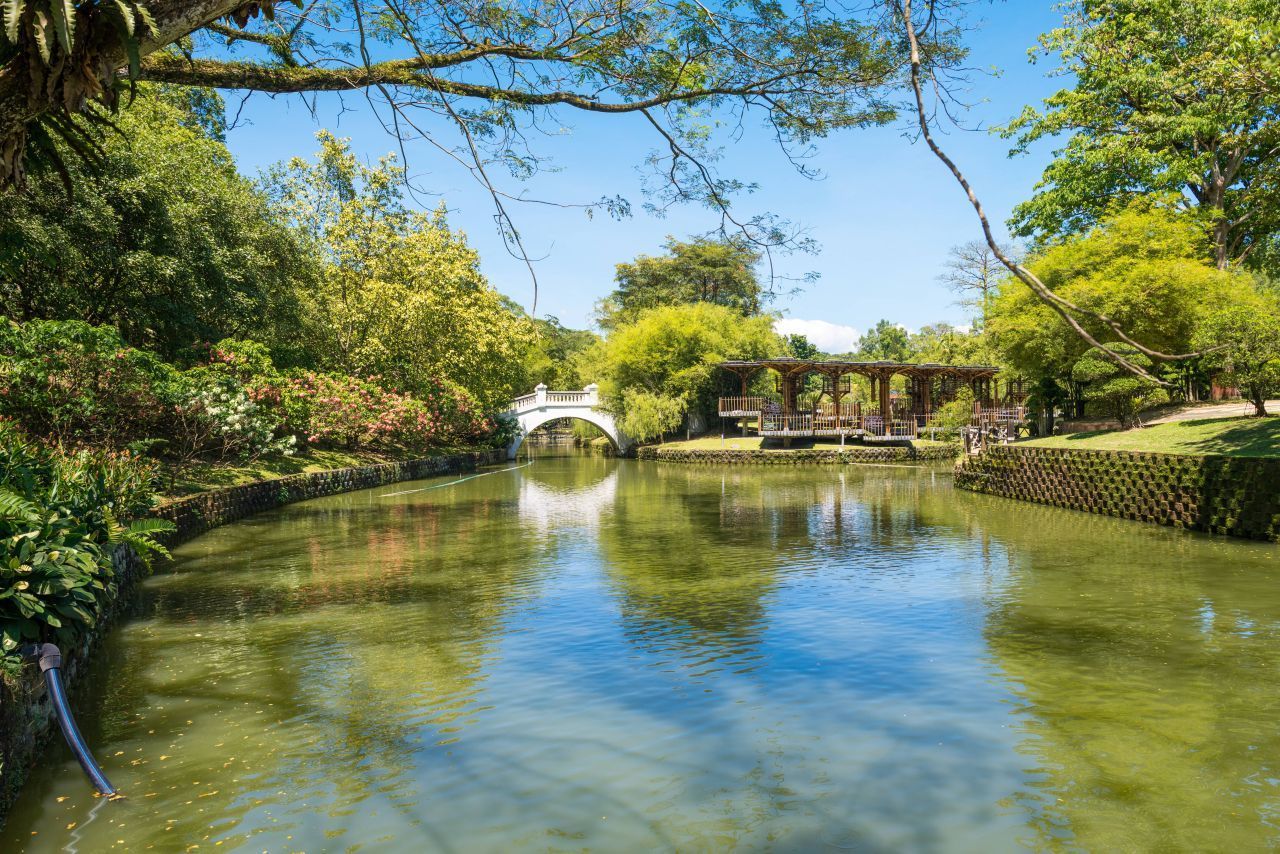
(618, 656)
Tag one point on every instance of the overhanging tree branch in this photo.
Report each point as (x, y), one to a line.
(1065, 309)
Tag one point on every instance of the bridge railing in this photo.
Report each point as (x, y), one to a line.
(589, 396)
(571, 397)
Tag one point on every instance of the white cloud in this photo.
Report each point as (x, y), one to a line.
(827, 337)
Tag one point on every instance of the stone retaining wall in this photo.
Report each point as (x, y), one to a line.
(26, 716)
(1237, 496)
(837, 456)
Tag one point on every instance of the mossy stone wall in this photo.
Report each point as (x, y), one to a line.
(801, 456)
(1237, 496)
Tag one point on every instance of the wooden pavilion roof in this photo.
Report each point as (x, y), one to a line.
(787, 366)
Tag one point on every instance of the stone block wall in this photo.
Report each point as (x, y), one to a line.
(1237, 496)
(26, 716)
(828, 456)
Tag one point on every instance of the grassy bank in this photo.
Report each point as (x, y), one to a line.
(1231, 437)
(180, 481)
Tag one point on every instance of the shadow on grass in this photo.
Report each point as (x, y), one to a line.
(1089, 434)
(1249, 437)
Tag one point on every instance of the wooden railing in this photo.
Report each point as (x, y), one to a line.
(772, 424)
(993, 415)
(742, 405)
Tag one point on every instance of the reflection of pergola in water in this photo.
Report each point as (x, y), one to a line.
(889, 415)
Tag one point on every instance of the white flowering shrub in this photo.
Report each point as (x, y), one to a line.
(217, 417)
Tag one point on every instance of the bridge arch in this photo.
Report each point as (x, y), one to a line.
(533, 410)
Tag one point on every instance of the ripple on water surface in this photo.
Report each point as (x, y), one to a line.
(586, 653)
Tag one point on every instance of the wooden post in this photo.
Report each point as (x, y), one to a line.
(886, 411)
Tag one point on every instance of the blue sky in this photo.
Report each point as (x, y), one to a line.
(884, 213)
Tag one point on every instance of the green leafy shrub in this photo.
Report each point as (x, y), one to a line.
(73, 382)
(958, 413)
(60, 519)
(1113, 391)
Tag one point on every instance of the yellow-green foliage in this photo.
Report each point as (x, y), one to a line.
(402, 296)
(1145, 267)
(670, 354)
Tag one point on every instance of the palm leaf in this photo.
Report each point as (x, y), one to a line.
(144, 15)
(152, 526)
(13, 10)
(122, 13)
(42, 29)
(63, 13)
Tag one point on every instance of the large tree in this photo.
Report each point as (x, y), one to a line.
(1245, 336)
(887, 342)
(663, 366)
(721, 272)
(1176, 97)
(402, 296)
(168, 243)
(1144, 268)
(973, 271)
(491, 68)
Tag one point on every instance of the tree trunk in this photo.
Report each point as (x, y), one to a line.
(1259, 400)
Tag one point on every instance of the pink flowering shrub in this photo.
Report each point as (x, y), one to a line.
(335, 409)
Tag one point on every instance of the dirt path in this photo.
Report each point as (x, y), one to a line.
(1231, 409)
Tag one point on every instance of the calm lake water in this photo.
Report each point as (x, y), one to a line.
(583, 654)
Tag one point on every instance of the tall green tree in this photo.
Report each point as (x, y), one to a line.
(1171, 97)
(662, 367)
(1111, 390)
(720, 272)
(1145, 268)
(884, 342)
(555, 356)
(167, 242)
(402, 296)
(1243, 343)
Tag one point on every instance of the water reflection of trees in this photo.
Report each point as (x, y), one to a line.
(695, 553)
(1146, 659)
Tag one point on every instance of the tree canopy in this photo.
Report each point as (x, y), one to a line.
(662, 367)
(1243, 338)
(495, 70)
(402, 296)
(884, 342)
(1173, 97)
(1145, 267)
(720, 272)
(170, 244)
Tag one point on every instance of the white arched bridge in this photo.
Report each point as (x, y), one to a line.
(533, 410)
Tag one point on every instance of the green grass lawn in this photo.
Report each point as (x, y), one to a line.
(752, 443)
(177, 481)
(1232, 437)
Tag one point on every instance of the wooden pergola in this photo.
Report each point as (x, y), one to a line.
(888, 416)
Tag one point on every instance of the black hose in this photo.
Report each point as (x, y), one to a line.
(50, 660)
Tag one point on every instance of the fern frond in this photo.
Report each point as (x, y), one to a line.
(15, 508)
